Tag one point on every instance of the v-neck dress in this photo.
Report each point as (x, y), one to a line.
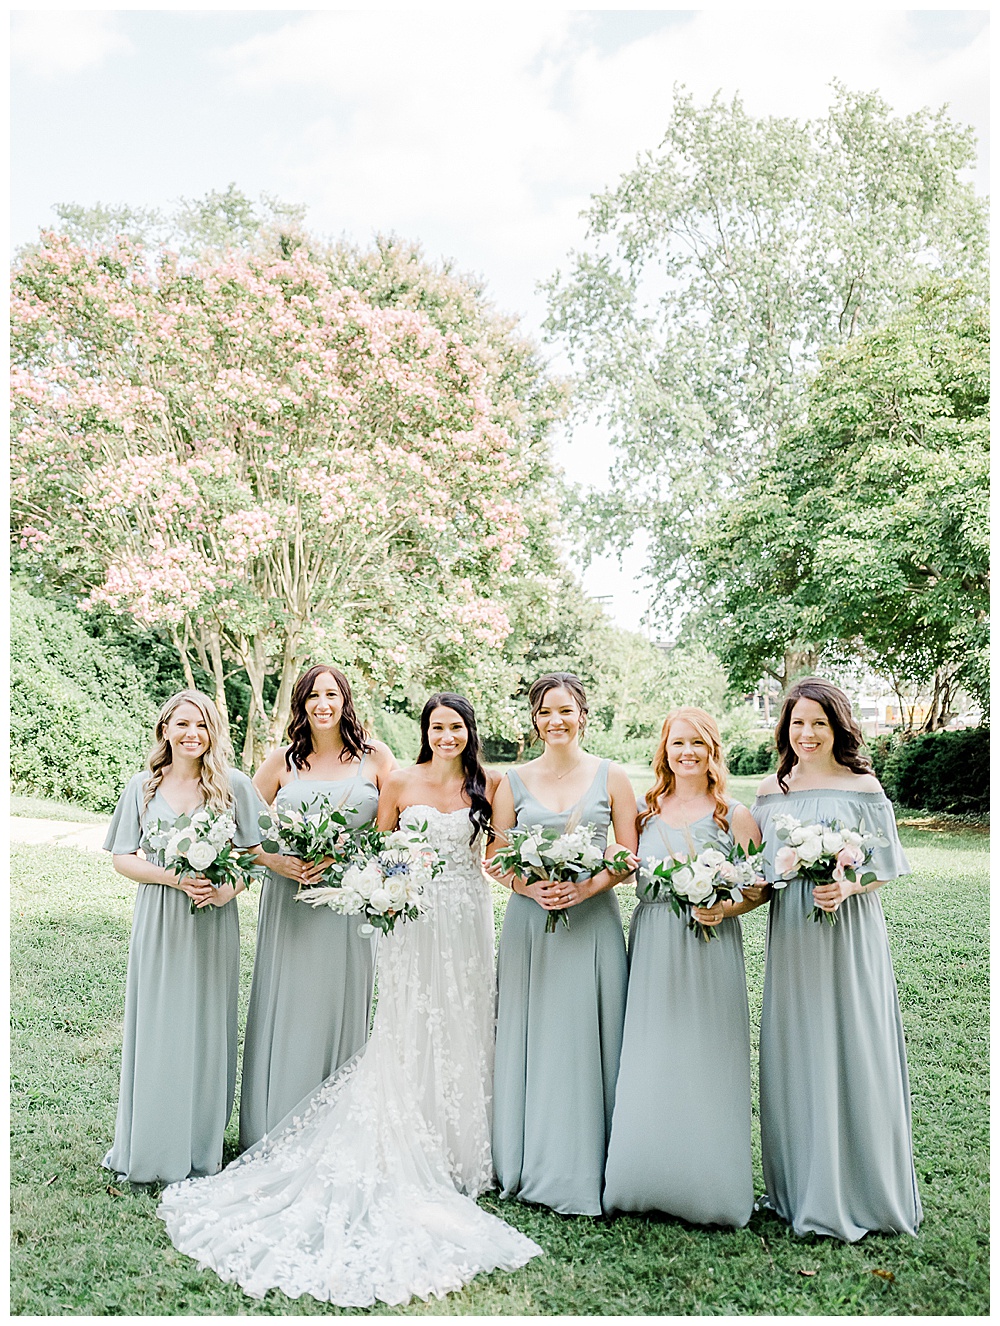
(312, 978)
(685, 1056)
(178, 1076)
(561, 1006)
(835, 1128)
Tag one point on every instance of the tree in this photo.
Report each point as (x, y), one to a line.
(720, 268)
(279, 451)
(866, 534)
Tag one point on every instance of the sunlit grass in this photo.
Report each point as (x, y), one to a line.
(80, 1248)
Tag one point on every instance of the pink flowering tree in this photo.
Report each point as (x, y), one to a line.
(276, 456)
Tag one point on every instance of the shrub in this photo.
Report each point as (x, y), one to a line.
(941, 771)
(80, 718)
(878, 750)
(747, 757)
(400, 732)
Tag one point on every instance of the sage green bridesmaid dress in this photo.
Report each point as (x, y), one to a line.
(312, 978)
(561, 1005)
(680, 1135)
(835, 1126)
(178, 1077)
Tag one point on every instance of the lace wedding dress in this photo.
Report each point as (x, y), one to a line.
(365, 1190)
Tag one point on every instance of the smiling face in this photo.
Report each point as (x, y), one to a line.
(187, 731)
(558, 717)
(447, 734)
(687, 750)
(810, 733)
(324, 703)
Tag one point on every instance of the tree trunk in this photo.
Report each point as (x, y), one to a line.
(219, 674)
(182, 654)
(290, 665)
(798, 663)
(254, 660)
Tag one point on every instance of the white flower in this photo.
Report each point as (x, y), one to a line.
(380, 901)
(363, 880)
(681, 879)
(810, 850)
(712, 858)
(700, 888)
(832, 842)
(201, 854)
(797, 835)
(396, 889)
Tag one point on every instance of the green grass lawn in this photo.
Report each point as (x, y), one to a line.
(84, 1244)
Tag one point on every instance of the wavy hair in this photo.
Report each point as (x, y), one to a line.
(474, 783)
(215, 763)
(569, 682)
(707, 728)
(847, 736)
(352, 732)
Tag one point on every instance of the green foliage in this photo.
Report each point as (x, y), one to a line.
(718, 269)
(78, 1248)
(746, 757)
(867, 530)
(941, 771)
(400, 732)
(81, 719)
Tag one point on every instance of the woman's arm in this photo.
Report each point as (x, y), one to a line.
(267, 781)
(503, 818)
(745, 832)
(388, 801)
(384, 761)
(140, 870)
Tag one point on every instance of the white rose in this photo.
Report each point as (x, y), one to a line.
(591, 857)
(797, 835)
(380, 901)
(561, 850)
(682, 878)
(810, 850)
(700, 888)
(200, 855)
(832, 841)
(396, 889)
(712, 858)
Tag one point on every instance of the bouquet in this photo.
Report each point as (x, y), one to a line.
(542, 854)
(701, 882)
(822, 853)
(200, 844)
(383, 881)
(324, 830)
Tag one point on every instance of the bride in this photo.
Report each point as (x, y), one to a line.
(365, 1190)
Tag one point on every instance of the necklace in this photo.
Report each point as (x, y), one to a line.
(559, 777)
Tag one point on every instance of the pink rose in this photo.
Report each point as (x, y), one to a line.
(785, 861)
(850, 857)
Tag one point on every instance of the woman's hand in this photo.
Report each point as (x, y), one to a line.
(709, 915)
(209, 896)
(828, 897)
(557, 895)
(313, 871)
(290, 867)
(496, 871)
(754, 893)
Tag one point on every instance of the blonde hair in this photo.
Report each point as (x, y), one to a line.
(214, 774)
(707, 728)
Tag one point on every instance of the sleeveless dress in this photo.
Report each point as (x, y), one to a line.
(559, 1030)
(178, 1075)
(312, 978)
(358, 1195)
(685, 1063)
(834, 1093)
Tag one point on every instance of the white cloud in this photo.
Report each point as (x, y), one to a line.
(51, 42)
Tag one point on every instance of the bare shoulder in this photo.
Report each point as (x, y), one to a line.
(865, 783)
(396, 780)
(769, 785)
(493, 781)
(619, 782)
(382, 755)
(741, 816)
(274, 762)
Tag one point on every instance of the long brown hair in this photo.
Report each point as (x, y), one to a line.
(473, 773)
(847, 737)
(707, 728)
(352, 732)
(215, 763)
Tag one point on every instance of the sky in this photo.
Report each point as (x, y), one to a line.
(480, 133)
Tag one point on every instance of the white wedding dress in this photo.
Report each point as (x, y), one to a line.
(365, 1191)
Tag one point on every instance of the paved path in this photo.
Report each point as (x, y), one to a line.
(62, 833)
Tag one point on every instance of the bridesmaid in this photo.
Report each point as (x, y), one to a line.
(312, 973)
(179, 1053)
(561, 998)
(834, 1094)
(686, 1050)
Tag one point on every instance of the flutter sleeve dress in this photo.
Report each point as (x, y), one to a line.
(561, 1006)
(680, 1135)
(836, 1135)
(312, 977)
(178, 1076)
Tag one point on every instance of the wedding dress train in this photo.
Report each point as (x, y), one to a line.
(365, 1191)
